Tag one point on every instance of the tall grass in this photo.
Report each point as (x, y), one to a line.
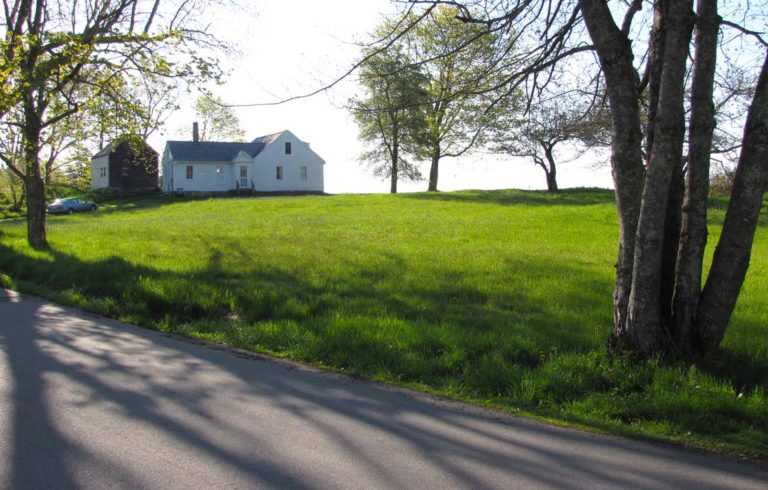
(502, 297)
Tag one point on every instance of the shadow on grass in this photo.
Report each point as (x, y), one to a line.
(510, 197)
(368, 320)
(144, 202)
(376, 315)
(744, 372)
(138, 203)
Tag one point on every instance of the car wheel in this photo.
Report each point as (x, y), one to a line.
(70, 211)
(93, 208)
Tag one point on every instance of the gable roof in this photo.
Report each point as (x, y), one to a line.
(104, 151)
(113, 145)
(268, 138)
(212, 151)
(218, 151)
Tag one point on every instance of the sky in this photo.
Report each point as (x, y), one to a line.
(293, 47)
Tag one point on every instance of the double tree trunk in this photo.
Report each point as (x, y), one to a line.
(616, 60)
(660, 308)
(644, 326)
(693, 235)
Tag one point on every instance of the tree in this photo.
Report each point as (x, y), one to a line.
(546, 126)
(58, 57)
(661, 307)
(391, 116)
(455, 58)
(217, 122)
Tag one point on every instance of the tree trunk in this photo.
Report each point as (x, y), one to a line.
(642, 325)
(433, 170)
(395, 155)
(645, 329)
(693, 234)
(34, 184)
(35, 189)
(731, 259)
(552, 172)
(671, 242)
(655, 64)
(616, 60)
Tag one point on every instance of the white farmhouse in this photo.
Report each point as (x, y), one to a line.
(278, 162)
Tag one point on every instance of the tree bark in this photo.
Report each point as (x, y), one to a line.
(655, 64)
(34, 184)
(671, 243)
(552, 172)
(433, 170)
(731, 259)
(693, 234)
(395, 154)
(36, 233)
(645, 329)
(616, 60)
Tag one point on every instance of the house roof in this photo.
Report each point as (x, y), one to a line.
(112, 146)
(104, 151)
(268, 138)
(211, 151)
(218, 151)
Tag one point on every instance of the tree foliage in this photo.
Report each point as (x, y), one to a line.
(463, 99)
(391, 115)
(217, 122)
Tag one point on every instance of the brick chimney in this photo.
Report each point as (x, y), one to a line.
(195, 132)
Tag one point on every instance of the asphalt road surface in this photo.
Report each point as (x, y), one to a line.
(87, 402)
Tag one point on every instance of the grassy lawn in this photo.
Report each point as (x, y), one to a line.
(499, 297)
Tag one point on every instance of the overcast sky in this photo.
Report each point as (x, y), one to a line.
(292, 47)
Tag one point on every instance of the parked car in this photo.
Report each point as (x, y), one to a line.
(69, 205)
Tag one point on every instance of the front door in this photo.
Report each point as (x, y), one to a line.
(243, 176)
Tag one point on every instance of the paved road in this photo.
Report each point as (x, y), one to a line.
(92, 403)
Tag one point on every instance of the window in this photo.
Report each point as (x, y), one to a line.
(279, 173)
(287, 147)
(190, 172)
(103, 172)
(303, 173)
(219, 172)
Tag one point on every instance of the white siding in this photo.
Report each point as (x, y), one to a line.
(266, 163)
(204, 177)
(100, 165)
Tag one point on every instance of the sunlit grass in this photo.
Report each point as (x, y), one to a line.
(502, 297)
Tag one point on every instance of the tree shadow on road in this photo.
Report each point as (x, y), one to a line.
(277, 424)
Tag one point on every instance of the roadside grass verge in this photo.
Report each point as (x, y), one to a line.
(498, 297)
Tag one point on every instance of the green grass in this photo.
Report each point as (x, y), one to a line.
(498, 297)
